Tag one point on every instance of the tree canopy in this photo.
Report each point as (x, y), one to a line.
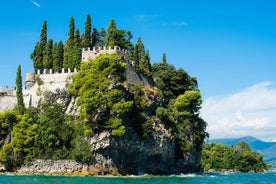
(239, 157)
(101, 95)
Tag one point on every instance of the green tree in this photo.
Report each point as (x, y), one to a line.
(77, 51)
(86, 40)
(96, 38)
(142, 58)
(102, 37)
(68, 59)
(239, 157)
(171, 81)
(110, 39)
(164, 58)
(189, 126)
(54, 135)
(7, 120)
(58, 56)
(38, 54)
(19, 94)
(24, 136)
(101, 99)
(116, 37)
(48, 55)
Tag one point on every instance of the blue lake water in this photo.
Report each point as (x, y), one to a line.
(267, 178)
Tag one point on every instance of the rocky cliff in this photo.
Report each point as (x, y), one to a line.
(129, 154)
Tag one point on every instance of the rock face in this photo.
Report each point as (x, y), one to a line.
(130, 155)
(125, 155)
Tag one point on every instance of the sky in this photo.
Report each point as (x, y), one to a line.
(228, 45)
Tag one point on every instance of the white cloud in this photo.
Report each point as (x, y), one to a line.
(143, 17)
(175, 24)
(36, 4)
(250, 112)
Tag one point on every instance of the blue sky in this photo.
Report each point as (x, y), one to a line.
(229, 45)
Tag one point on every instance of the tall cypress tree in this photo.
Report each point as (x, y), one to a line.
(86, 41)
(110, 39)
(69, 45)
(102, 38)
(95, 38)
(77, 51)
(48, 55)
(142, 58)
(164, 58)
(19, 94)
(38, 53)
(58, 56)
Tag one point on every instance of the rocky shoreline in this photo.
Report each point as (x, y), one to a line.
(64, 167)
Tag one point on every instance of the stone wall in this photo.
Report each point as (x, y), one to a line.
(92, 54)
(48, 81)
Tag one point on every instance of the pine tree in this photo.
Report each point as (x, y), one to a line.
(86, 42)
(19, 94)
(110, 39)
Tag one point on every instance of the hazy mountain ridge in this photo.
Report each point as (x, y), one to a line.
(268, 149)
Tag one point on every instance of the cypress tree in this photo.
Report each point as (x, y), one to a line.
(19, 94)
(86, 42)
(95, 38)
(102, 38)
(77, 51)
(142, 58)
(164, 59)
(58, 56)
(38, 53)
(48, 55)
(43, 35)
(110, 39)
(69, 45)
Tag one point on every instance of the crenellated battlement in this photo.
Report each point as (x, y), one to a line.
(88, 53)
(50, 80)
(7, 91)
(51, 71)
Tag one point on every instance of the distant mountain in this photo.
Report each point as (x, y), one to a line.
(268, 149)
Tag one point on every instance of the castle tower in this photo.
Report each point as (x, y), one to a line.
(30, 79)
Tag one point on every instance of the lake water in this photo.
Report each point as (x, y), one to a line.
(267, 178)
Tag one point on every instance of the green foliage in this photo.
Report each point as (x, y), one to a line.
(58, 56)
(38, 54)
(238, 157)
(86, 40)
(7, 120)
(188, 124)
(164, 58)
(82, 151)
(142, 58)
(19, 94)
(54, 133)
(171, 81)
(98, 85)
(24, 136)
(116, 37)
(7, 157)
(48, 54)
(39, 81)
(72, 48)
